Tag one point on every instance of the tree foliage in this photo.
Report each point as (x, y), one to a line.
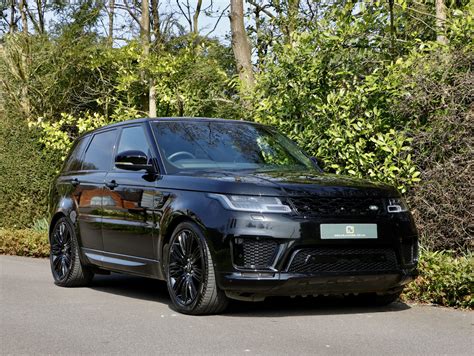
(373, 89)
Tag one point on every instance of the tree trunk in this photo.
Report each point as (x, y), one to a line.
(440, 22)
(145, 38)
(196, 17)
(392, 27)
(25, 54)
(241, 46)
(24, 20)
(39, 5)
(110, 35)
(293, 10)
(12, 17)
(156, 21)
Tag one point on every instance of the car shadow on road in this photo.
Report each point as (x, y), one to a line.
(132, 287)
(331, 305)
(156, 291)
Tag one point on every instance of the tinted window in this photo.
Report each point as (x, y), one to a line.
(99, 153)
(73, 163)
(229, 146)
(133, 138)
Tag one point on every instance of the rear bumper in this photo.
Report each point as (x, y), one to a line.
(287, 284)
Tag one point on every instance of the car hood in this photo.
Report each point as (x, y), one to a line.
(294, 183)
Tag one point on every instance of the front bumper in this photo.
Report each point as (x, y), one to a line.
(286, 284)
(275, 274)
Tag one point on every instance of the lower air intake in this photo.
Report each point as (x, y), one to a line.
(317, 260)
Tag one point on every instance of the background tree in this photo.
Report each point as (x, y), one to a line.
(241, 46)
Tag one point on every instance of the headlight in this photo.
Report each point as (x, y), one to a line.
(252, 203)
(396, 205)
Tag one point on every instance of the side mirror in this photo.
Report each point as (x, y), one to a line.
(133, 161)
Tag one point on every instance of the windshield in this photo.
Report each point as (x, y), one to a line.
(212, 145)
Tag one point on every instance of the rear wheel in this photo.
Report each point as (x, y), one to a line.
(190, 273)
(66, 266)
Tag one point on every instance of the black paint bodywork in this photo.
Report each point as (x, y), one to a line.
(124, 219)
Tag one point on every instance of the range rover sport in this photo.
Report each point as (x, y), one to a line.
(224, 209)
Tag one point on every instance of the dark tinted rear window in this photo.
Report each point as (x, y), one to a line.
(98, 156)
(73, 162)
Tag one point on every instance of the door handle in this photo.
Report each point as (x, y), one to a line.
(111, 185)
(75, 182)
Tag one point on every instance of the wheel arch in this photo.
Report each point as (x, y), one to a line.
(167, 231)
(58, 215)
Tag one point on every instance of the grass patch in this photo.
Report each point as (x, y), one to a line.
(26, 242)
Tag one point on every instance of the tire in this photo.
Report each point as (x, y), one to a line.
(66, 266)
(190, 274)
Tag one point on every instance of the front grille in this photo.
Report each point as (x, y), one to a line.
(337, 206)
(315, 260)
(254, 253)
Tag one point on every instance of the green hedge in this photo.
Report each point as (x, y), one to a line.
(26, 172)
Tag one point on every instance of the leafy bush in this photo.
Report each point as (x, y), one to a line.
(24, 243)
(323, 95)
(444, 279)
(59, 135)
(41, 225)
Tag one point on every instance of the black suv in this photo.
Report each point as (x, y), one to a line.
(224, 209)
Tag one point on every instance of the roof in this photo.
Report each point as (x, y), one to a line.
(164, 119)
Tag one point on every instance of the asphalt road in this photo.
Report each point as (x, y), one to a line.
(129, 315)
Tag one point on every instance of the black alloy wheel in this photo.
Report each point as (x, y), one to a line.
(190, 273)
(61, 256)
(186, 267)
(67, 269)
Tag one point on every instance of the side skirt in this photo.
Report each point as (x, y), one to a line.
(122, 263)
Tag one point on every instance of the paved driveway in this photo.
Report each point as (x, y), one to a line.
(129, 315)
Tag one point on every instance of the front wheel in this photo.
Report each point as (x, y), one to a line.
(190, 273)
(66, 266)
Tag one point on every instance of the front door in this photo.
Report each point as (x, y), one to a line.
(128, 210)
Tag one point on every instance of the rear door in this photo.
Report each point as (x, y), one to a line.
(129, 202)
(89, 191)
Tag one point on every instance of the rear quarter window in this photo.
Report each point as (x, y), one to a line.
(98, 156)
(74, 161)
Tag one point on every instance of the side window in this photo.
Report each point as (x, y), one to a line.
(134, 138)
(99, 153)
(73, 162)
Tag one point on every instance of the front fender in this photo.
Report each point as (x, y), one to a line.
(183, 206)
